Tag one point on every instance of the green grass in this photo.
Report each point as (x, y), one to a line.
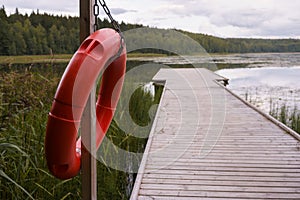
(24, 104)
(280, 111)
(35, 59)
(57, 58)
(137, 55)
(25, 100)
(286, 115)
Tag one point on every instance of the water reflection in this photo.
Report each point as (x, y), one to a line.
(266, 76)
(248, 59)
(267, 86)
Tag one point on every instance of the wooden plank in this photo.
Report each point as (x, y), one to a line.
(217, 194)
(232, 140)
(237, 151)
(225, 157)
(223, 188)
(261, 143)
(189, 198)
(229, 182)
(224, 161)
(219, 177)
(181, 198)
(249, 147)
(196, 169)
(223, 173)
(192, 165)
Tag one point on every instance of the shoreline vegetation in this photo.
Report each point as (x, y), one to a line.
(288, 116)
(60, 58)
(65, 58)
(30, 59)
(282, 111)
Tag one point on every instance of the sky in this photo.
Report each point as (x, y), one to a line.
(222, 18)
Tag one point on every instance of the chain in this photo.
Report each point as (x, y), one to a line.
(107, 11)
(96, 14)
(112, 20)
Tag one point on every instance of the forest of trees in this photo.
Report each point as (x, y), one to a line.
(243, 45)
(37, 33)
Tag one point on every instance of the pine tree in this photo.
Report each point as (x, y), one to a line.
(4, 36)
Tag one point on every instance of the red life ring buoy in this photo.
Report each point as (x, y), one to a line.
(102, 51)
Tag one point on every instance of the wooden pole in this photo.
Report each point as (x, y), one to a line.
(88, 124)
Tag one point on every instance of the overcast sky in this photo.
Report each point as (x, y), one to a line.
(224, 18)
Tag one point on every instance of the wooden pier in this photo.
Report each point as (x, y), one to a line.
(208, 143)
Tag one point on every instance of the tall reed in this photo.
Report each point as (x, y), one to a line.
(286, 115)
(26, 94)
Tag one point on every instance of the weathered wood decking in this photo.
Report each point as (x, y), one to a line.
(207, 143)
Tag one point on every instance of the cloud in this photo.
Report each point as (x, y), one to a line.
(226, 18)
(233, 18)
(54, 6)
(118, 11)
(182, 8)
(244, 18)
(281, 27)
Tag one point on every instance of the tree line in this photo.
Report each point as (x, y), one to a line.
(245, 45)
(37, 34)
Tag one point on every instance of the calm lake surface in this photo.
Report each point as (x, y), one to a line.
(267, 80)
(268, 85)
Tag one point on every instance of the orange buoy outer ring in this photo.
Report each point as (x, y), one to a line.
(100, 52)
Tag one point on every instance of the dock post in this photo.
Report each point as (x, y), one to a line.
(88, 124)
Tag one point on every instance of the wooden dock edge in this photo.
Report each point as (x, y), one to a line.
(138, 180)
(267, 116)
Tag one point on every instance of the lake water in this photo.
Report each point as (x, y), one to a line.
(266, 87)
(267, 80)
(269, 86)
